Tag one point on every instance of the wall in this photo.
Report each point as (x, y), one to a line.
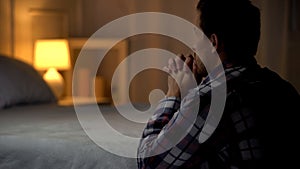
(34, 19)
(278, 50)
(6, 42)
(97, 13)
(293, 49)
(25, 20)
(279, 47)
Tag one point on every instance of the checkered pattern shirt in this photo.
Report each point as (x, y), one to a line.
(229, 147)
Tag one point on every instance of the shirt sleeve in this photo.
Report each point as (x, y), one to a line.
(171, 135)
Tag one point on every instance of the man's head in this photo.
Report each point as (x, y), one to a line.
(233, 24)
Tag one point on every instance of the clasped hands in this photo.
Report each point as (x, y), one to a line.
(182, 75)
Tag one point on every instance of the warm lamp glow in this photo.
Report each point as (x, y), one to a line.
(55, 81)
(52, 54)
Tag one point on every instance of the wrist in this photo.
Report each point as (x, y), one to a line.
(171, 93)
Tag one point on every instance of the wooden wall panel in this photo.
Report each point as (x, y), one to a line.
(41, 19)
(6, 47)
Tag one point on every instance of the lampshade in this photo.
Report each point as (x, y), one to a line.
(52, 53)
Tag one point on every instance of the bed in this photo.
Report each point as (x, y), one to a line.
(37, 133)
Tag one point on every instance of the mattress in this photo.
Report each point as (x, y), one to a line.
(50, 136)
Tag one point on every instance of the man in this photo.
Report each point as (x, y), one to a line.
(257, 128)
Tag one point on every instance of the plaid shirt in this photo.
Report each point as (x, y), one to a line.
(230, 146)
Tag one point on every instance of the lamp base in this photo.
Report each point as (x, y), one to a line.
(55, 82)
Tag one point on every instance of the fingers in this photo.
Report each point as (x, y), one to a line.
(181, 72)
(175, 64)
(189, 61)
(179, 62)
(166, 69)
(194, 69)
(172, 65)
(182, 57)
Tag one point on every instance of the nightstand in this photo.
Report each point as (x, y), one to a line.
(68, 101)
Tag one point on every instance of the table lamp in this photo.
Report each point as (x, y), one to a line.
(52, 55)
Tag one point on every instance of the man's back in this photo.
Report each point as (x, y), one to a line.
(258, 127)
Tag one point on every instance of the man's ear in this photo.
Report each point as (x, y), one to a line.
(218, 45)
(214, 40)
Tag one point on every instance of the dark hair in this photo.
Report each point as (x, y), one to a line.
(235, 22)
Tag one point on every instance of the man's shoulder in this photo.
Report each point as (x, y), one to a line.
(262, 85)
(267, 80)
(273, 82)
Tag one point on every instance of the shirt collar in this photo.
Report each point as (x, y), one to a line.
(231, 71)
